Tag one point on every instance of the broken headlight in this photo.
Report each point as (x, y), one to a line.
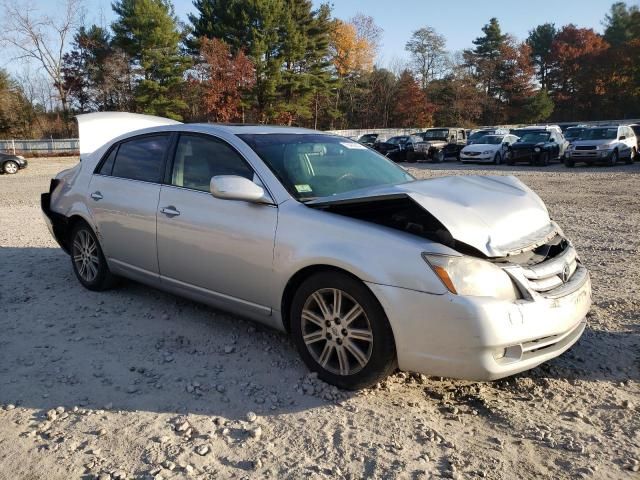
(465, 275)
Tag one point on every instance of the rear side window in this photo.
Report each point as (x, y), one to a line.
(141, 158)
(199, 158)
(107, 165)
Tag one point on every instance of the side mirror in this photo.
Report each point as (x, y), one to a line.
(234, 187)
(552, 140)
(622, 137)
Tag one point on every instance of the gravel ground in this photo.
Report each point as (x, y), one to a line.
(136, 383)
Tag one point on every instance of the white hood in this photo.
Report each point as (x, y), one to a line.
(96, 129)
(481, 147)
(496, 215)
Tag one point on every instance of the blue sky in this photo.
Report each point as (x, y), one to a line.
(459, 21)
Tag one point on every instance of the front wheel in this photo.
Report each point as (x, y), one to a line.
(497, 160)
(613, 159)
(88, 261)
(632, 156)
(342, 332)
(10, 167)
(569, 162)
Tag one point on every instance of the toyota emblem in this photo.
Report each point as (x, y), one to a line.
(566, 273)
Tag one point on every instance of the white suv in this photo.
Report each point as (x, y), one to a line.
(606, 144)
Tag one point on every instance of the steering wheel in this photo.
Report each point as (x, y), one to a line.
(346, 177)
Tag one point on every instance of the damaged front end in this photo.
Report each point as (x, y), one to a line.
(496, 219)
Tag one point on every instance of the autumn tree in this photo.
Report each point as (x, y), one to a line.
(226, 77)
(427, 49)
(576, 79)
(410, 108)
(147, 31)
(41, 38)
(540, 41)
(350, 52)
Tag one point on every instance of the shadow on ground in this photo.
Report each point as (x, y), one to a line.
(137, 348)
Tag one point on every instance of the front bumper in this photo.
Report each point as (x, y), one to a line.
(476, 158)
(589, 156)
(463, 337)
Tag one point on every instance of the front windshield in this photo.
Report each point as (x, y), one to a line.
(492, 139)
(438, 133)
(397, 140)
(600, 134)
(573, 133)
(480, 133)
(316, 165)
(369, 137)
(535, 137)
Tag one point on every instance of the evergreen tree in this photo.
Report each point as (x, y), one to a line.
(540, 41)
(620, 23)
(147, 30)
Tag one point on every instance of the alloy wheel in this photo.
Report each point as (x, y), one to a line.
(336, 331)
(11, 167)
(85, 256)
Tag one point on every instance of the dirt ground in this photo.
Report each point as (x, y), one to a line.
(136, 383)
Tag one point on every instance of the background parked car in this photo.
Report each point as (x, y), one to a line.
(537, 145)
(605, 144)
(369, 139)
(573, 133)
(11, 163)
(441, 143)
(476, 135)
(489, 149)
(400, 148)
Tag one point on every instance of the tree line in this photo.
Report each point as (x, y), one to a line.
(286, 62)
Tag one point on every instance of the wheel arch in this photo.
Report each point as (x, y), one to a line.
(300, 276)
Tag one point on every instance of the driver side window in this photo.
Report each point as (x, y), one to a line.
(199, 158)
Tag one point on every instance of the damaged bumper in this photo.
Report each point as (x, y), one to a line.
(480, 338)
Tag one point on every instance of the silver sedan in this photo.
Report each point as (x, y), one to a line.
(314, 234)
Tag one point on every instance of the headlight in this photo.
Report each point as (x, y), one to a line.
(604, 146)
(487, 152)
(471, 276)
(537, 149)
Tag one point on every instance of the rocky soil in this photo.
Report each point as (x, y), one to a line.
(136, 383)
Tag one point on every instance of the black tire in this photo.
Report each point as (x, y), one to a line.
(103, 279)
(10, 167)
(497, 160)
(411, 157)
(613, 159)
(632, 156)
(381, 352)
(544, 159)
(569, 163)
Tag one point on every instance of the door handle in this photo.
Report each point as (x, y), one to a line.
(170, 211)
(96, 196)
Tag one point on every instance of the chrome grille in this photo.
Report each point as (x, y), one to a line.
(552, 273)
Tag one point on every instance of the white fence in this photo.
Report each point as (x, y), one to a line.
(386, 132)
(55, 145)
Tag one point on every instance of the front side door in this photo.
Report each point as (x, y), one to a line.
(218, 250)
(123, 199)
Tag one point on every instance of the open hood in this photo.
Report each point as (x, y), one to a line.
(96, 129)
(495, 215)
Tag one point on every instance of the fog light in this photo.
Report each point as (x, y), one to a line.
(499, 353)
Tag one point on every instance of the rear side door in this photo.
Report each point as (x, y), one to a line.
(123, 199)
(220, 251)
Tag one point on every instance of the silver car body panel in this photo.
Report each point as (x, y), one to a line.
(241, 256)
(493, 214)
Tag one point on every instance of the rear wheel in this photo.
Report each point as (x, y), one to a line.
(341, 331)
(10, 167)
(88, 261)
